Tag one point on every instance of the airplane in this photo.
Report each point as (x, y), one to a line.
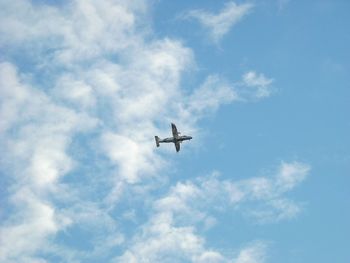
(176, 139)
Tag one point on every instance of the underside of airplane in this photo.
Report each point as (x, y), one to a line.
(176, 139)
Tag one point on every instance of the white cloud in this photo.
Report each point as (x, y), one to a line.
(216, 91)
(291, 174)
(252, 79)
(213, 92)
(254, 253)
(36, 221)
(220, 24)
(75, 91)
(133, 156)
(255, 86)
(35, 155)
(276, 207)
(126, 86)
(173, 232)
(77, 135)
(107, 28)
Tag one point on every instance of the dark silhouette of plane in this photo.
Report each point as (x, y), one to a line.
(176, 139)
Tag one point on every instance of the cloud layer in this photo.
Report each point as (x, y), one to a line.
(173, 232)
(84, 87)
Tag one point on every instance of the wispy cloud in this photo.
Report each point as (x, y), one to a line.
(35, 133)
(255, 86)
(77, 117)
(216, 90)
(255, 253)
(174, 228)
(218, 25)
(211, 94)
(102, 79)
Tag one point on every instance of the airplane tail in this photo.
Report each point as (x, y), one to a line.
(157, 140)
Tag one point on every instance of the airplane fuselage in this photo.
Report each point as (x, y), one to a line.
(178, 139)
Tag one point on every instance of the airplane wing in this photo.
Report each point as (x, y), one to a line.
(177, 146)
(174, 130)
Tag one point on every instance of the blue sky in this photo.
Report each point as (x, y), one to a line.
(262, 86)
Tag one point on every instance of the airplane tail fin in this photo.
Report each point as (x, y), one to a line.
(157, 140)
